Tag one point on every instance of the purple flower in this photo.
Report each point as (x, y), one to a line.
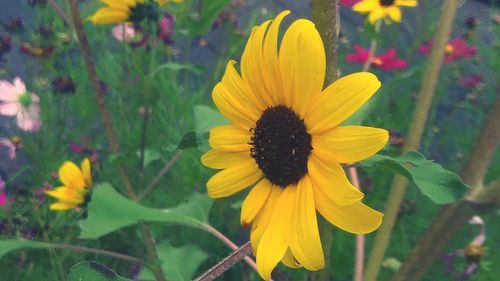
(3, 195)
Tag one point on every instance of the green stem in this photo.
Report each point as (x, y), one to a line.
(416, 129)
(146, 232)
(373, 48)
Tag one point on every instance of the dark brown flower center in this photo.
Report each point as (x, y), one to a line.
(281, 145)
(386, 3)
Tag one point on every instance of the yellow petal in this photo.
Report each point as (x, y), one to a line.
(66, 195)
(348, 144)
(261, 221)
(254, 201)
(356, 218)
(253, 68)
(394, 13)
(306, 243)
(330, 177)
(117, 4)
(234, 107)
(270, 53)
(87, 174)
(302, 64)
(289, 260)
(61, 206)
(341, 99)
(365, 6)
(276, 237)
(230, 138)
(236, 86)
(71, 176)
(234, 179)
(407, 3)
(377, 14)
(109, 15)
(217, 159)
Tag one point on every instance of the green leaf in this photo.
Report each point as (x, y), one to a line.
(189, 140)
(440, 185)
(109, 211)
(194, 68)
(149, 156)
(14, 245)
(93, 271)
(206, 118)
(209, 11)
(178, 263)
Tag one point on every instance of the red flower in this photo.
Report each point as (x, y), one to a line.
(454, 50)
(387, 61)
(348, 3)
(470, 81)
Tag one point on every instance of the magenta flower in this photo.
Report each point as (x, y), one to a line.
(387, 61)
(454, 50)
(3, 195)
(470, 81)
(10, 146)
(16, 101)
(349, 3)
(166, 28)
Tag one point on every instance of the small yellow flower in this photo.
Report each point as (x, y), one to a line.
(286, 142)
(120, 11)
(76, 185)
(380, 9)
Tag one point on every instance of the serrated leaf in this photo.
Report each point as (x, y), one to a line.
(15, 244)
(93, 271)
(206, 118)
(440, 185)
(178, 263)
(109, 211)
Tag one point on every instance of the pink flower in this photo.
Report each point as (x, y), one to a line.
(387, 61)
(10, 146)
(454, 50)
(124, 32)
(166, 28)
(349, 3)
(16, 101)
(470, 81)
(3, 195)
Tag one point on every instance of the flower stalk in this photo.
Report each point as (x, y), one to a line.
(327, 18)
(416, 129)
(146, 232)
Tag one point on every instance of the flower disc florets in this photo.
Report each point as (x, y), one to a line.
(281, 145)
(387, 3)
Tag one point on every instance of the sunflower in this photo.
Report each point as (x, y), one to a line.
(379, 9)
(119, 11)
(75, 189)
(285, 141)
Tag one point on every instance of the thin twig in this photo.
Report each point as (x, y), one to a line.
(146, 232)
(59, 11)
(161, 174)
(419, 120)
(226, 263)
(360, 238)
(373, 48)
(229, 243)
(79, 249)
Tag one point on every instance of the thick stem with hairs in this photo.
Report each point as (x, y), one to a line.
(419, 120)
(327, 19)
